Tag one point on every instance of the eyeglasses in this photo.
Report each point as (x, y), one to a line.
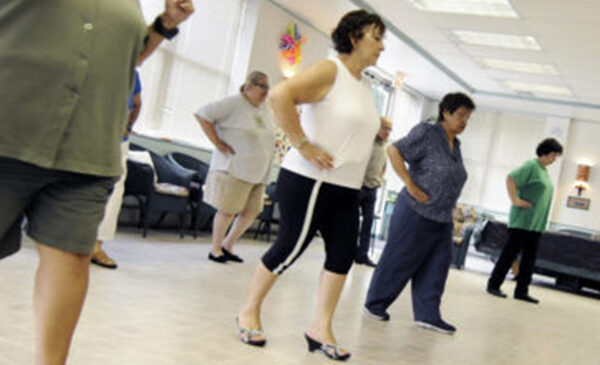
(262, 86)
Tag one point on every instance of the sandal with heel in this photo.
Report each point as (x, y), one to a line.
(248, 335)
(333, 352)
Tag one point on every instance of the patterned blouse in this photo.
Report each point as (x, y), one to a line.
(435, 168)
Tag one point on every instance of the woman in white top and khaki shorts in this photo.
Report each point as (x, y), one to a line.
(321, 177)
(243, 133)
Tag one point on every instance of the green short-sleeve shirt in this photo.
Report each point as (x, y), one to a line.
(533, 185)
(66, 70)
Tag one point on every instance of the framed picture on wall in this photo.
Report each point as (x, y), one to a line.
(578, 202)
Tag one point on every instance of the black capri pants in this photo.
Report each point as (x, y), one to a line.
(307, 206)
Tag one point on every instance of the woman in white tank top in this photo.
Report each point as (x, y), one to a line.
(332, 144)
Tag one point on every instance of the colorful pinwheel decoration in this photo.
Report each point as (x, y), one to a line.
(290, 45)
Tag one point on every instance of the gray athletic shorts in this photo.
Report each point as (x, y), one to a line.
(63, 209)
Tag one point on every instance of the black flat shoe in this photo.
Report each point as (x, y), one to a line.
(333, 352)
(365, 261)
(220, 259)
(526, 298)
(231, 257)
(496, 292)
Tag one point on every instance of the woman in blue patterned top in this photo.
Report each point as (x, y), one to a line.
(420, 236)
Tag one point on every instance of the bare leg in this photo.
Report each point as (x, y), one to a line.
(220, 224)
(60, 288)
(262, 282)
(240, 225)
(330, 288)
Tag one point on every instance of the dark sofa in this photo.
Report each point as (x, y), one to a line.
(572, 259)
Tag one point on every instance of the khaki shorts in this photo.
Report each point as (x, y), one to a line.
(231, 195)
(63, 209)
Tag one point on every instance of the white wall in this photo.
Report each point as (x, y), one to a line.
(513, 142)
(476, 141)
(582, 145)
(272, 23)
(493, 145)
(430, 109)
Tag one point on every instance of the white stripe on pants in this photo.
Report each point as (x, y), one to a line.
(305, 226)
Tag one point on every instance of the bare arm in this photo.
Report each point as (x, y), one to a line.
(308, 86)
(511, 187)
(176, 11)
(399, 167)
(211, 132)
(382, 174)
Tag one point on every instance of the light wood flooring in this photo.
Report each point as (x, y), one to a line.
(167, 304)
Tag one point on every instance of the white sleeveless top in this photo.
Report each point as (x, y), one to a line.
(344, 123)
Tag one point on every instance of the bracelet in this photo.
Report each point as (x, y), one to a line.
(300, 144)
(159, 28)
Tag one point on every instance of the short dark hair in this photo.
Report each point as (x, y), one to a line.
(351, 26)
(548, 146)
(453, 101)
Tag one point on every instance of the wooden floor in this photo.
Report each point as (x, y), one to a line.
(167, 304)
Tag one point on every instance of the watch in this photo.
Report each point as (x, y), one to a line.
(159, 28)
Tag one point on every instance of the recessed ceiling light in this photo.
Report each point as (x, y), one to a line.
(497, 40)
(537, 88)
(529, 67)
(499, 8)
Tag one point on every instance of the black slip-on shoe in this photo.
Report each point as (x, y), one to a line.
(220, 259)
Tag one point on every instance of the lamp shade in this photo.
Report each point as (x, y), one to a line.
(583, 172)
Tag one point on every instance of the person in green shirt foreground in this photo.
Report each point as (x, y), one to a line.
(530, 190)
(66, 69)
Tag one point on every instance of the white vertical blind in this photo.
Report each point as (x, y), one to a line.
(189, 71)
(493, 145)
(405, 114)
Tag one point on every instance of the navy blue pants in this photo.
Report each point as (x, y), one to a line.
(366, 201)
(419, 250)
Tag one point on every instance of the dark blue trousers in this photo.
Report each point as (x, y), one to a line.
(418, 249)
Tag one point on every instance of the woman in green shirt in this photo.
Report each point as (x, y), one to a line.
(530, 190)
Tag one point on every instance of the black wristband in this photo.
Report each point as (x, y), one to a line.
(159, 28)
